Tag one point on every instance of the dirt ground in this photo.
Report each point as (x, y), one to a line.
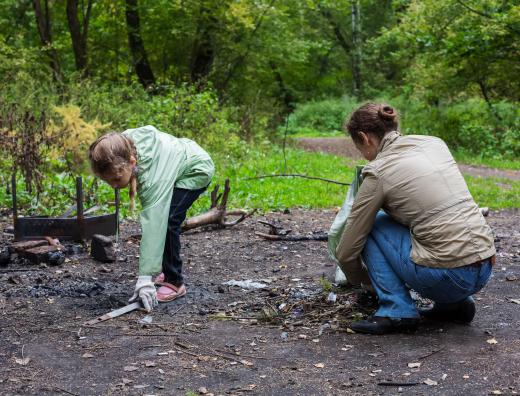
(284, 339)
(345, 147)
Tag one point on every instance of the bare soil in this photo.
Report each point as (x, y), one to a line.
(344, 146)
(282, 340)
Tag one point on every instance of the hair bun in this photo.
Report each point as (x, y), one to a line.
(387, 112)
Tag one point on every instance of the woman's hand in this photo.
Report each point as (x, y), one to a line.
(145, 290)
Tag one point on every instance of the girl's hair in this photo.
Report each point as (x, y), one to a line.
(110, 154)
(375, 118)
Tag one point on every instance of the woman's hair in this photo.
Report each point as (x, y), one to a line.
(375, 118)
(110, 154)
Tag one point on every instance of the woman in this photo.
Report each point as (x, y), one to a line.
(168, 174)
(431, 236)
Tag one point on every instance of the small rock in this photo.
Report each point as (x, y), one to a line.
(202, 390)
(56, 258)
(5, 258)
(102, 249)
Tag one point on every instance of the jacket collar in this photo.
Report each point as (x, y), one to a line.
(387, 140)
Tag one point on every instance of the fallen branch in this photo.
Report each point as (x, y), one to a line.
(293, 238)
(299, 175)
(217, 214)
(277, 233)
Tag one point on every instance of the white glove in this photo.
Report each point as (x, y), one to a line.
(145, 290)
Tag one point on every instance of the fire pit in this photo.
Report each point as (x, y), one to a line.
(65, 228)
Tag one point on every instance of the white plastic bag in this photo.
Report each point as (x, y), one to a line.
(338, 225)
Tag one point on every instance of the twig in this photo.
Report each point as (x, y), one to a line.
(431, 353)
(250, 356)
(64, 390)
(185, 351)
(293, 238)
(299, 175)
(153, 346)
(398, 383)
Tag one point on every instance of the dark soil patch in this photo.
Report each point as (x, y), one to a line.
(284, 339)
(345, 147)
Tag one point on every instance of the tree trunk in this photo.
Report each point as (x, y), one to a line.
(288, 99)
(203, 52)
(78, 33)
(135, 42)
(356, 46)
(44, 30)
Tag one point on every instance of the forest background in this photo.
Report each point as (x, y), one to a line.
(245, 78)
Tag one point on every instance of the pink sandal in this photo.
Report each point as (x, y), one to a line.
(168, 292)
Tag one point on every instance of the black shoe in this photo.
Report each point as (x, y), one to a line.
(461, 312)
(383, 325)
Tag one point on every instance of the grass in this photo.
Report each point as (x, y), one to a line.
(494, 193)
(497, 162)
(269, 194)
(279, 193)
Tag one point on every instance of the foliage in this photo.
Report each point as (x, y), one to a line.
(467, 126)
(265, 194)
(74, 135)
(326, 115)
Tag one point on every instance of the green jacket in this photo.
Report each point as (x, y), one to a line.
(163, 162)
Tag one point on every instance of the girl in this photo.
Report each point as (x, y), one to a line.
(431, 236)
(168, 174)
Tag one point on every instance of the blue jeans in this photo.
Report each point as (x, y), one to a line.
(393, 273)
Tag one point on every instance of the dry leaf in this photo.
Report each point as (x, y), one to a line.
(444, 376)
(149, 363)
(126, 381)
(22, 362)
(516, 301)
(319, 365)
(246, 362)
(496, 392)
(492, 341)
(202, 390)
(465, 376)
(430, 382)
(414, 365)
(87, 355)
(130, 368)
(141, 386)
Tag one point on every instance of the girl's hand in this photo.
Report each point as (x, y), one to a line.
(145, 290)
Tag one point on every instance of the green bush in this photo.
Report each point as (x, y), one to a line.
(326, 116)
(469, 126)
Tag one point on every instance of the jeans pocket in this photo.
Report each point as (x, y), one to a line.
(462, 280)
(455, 285)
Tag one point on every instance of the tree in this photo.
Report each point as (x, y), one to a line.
(135, 42)
(43, 22)
(79, 32)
